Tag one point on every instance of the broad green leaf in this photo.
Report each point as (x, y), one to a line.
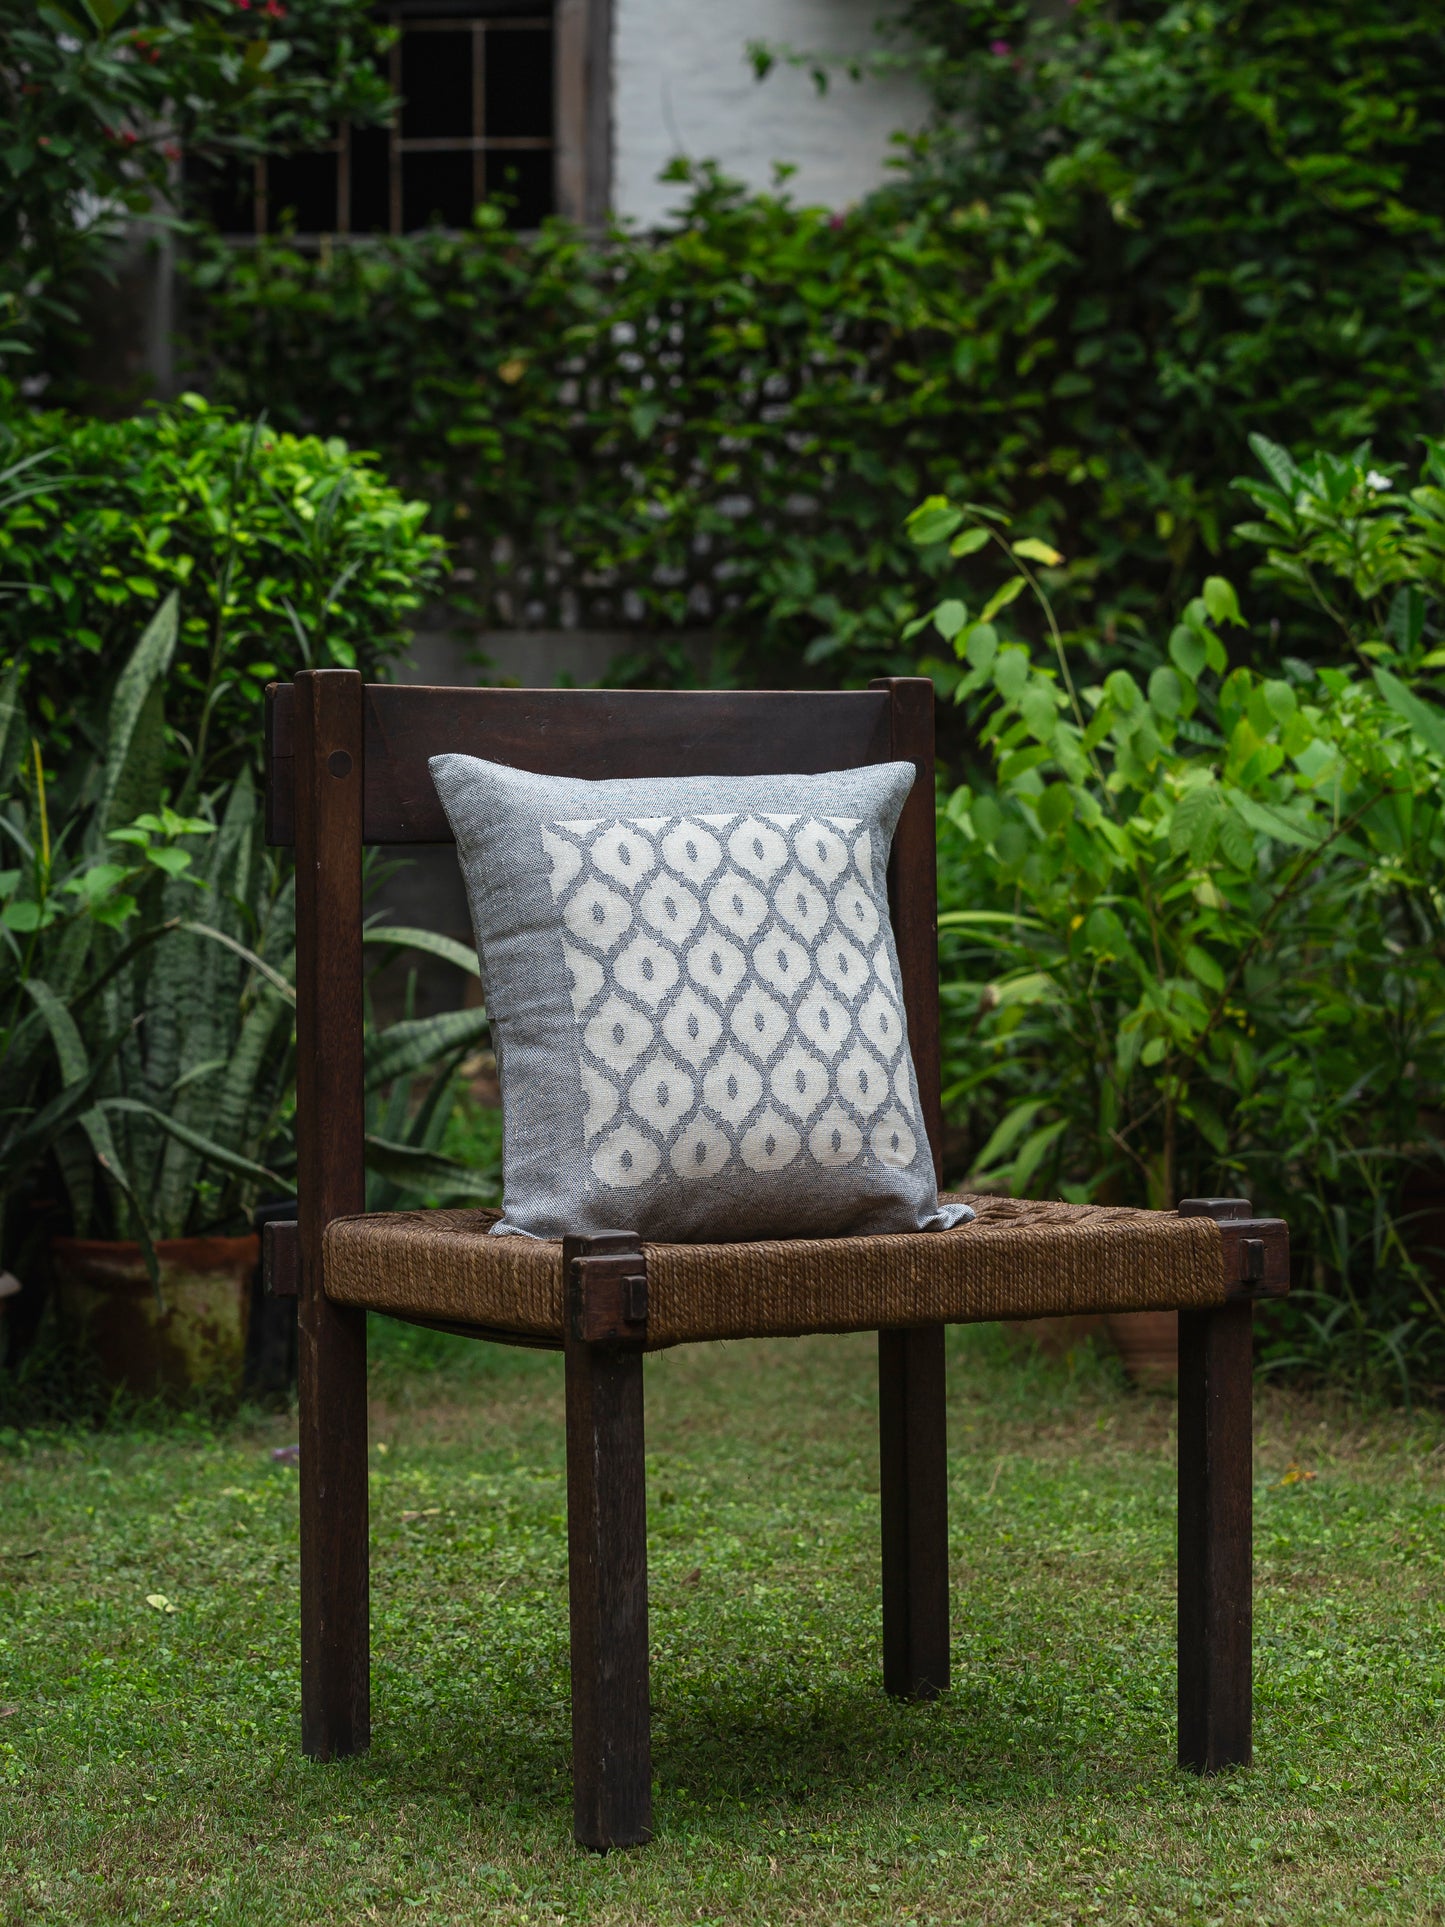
(431, 941)
(1220, 600)
(1011, 671)
(1055, 807)
(1166, 692)
(1187, 651)
(1007, 1134)
(949, 617)
(14, 730)
(1235, 843)
(960, 919)
(258, 964)
(987, 818)
(1009, 592)
(419, 1042)
(1427, 722)
(1123, 691)
(1030, 987)
(70, 1051)
(1276, 461)
(1103, 931)
(1272, 822)
(1032, 1153)
(135, 701)
(1200, 964)
(981, 646)
(1280, 700)
(969, 542)
(417, 1169)
(219, 1154)
(1033, 550)
(934, 520)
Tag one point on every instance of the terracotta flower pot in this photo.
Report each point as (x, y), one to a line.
(195, 1338)
(1148, 1344)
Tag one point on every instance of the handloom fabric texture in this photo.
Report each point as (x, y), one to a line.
(695, 1003)
(1022, 1258)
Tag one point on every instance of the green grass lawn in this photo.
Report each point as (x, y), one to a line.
(149, 1763)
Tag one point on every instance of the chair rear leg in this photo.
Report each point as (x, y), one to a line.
(607, 1555)
(913, 1454)
(335, 1633)
(1216, 1554)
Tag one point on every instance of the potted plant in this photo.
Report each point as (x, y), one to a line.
(147, 998)
(133, 1062)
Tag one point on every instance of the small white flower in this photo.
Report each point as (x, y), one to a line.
(1378, 482)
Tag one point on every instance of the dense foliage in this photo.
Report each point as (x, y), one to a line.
(147, 1049)
(1134, 236)
(287, 553)
(1193, 927)
(1229, 219)
(721, 427)
(100, 99)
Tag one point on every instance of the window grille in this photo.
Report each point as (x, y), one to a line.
(475, 82)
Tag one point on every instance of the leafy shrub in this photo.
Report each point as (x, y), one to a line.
(1204, 202)
(1193, 928)
(1132, 236)
(286, 552)
(100, 98)
(723, 426)
(147, 1044)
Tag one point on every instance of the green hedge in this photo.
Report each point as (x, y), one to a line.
(724, 427)
(1160, 228)
(287, 552)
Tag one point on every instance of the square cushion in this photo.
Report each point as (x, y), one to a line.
(695, 1003)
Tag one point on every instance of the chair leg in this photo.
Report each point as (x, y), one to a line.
(607, 1553)
(335, 1633)
(1216, 1420)
(913, 1452)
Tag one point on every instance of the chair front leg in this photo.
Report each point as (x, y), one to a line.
(335, 1630)
(1216, 1554)
(607, 1542)
(913, 1494)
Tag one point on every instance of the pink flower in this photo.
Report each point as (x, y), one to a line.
(1001, 48)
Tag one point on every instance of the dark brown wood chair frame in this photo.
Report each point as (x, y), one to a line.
(346, 768)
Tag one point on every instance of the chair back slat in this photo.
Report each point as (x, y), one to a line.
(592, 733)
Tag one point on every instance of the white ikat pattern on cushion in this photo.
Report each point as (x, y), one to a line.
(734, 998)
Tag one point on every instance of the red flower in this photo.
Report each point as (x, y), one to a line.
(171, 151)
(275, 10)
(1001, 48)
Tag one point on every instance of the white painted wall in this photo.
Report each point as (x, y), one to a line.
(682, 84)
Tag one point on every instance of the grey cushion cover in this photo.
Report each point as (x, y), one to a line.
(695, 1005)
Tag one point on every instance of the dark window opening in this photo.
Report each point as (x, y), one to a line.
(474, 80)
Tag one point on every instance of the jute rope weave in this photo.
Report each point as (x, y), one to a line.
(1017, 1259)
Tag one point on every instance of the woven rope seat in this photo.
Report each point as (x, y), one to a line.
(1017, 1259)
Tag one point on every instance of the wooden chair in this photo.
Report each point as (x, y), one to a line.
(347, 767)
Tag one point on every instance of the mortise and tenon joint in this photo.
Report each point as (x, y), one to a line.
(1256, 1250)
(606, 1285)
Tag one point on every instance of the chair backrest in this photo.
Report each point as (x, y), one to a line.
(346, 766)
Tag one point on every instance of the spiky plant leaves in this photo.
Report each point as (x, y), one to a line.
(417, 1042)
(135, 736)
